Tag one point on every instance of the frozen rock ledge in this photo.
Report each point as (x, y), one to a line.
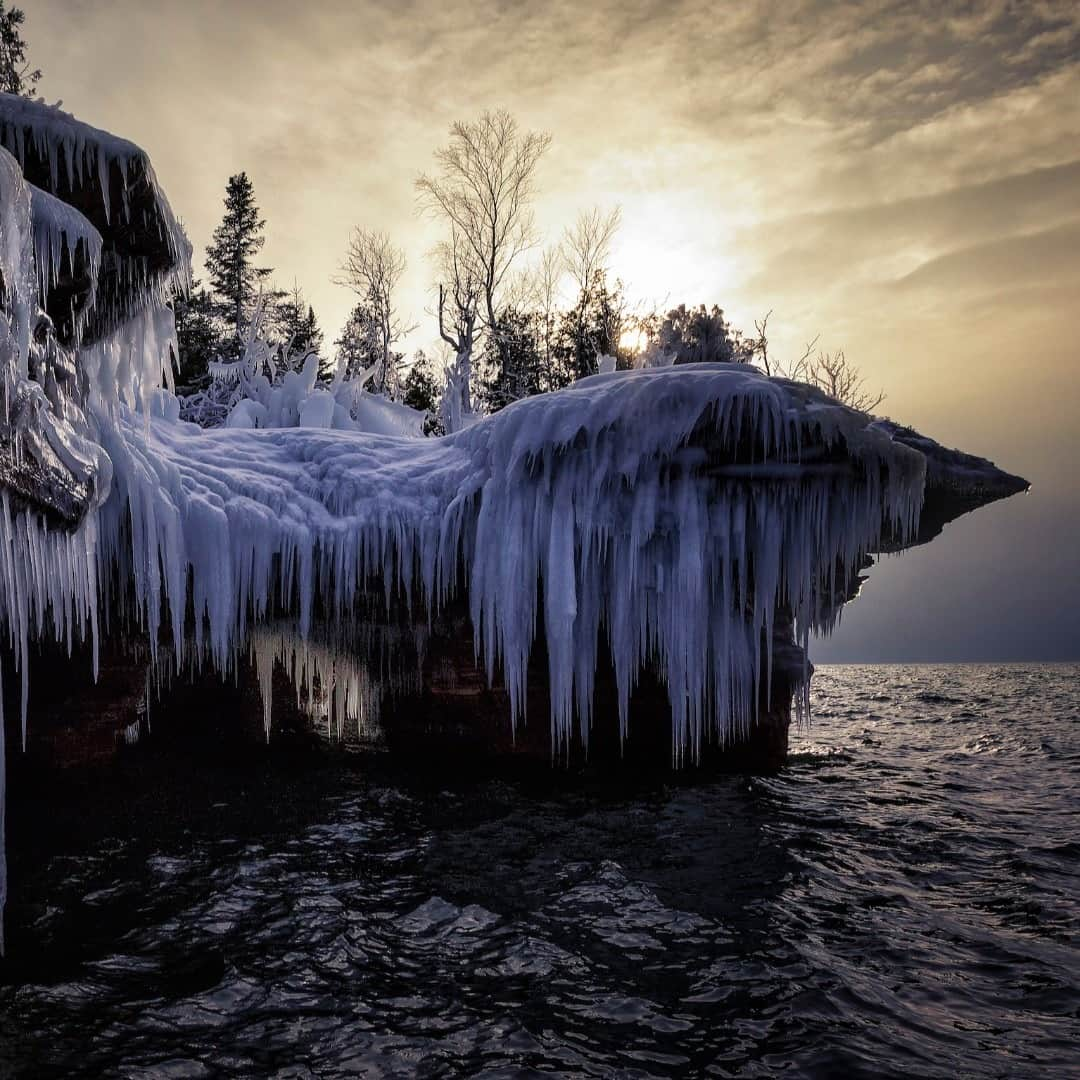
(628, 569)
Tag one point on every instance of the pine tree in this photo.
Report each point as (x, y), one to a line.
(16, 75)
(591, 329)
(512, 364)
(235, 279)
(308, 331)
(702, 335)
(421, 391)
(196, 336)
(356, 347)
(295, 324)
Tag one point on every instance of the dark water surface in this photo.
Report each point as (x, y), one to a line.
(901, 900)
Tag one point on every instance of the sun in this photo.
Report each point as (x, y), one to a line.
(632, 340)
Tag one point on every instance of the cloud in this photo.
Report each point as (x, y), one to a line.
(1041, 258)
(885, 241)
(900, 175)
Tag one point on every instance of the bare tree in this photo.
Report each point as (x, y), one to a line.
(760, 344)
(373, 268)
(587, 245)
(585, 249)
(832, 373)
(839, 378)
(547, 277)
(800, 370)
(482, 190)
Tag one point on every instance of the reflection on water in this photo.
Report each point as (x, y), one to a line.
(901, 900)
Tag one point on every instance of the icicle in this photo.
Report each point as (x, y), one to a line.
(59, 231)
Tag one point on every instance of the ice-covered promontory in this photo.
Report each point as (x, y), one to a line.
(687, 526)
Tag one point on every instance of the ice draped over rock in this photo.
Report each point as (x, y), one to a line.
(592, 510)
(670, 512)
(674, 510)
(142, 253)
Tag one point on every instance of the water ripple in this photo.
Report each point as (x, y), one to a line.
(901, 900)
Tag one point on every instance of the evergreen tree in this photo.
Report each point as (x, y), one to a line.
(511, 364)
(296, 325)
(589, 330)
(16, 75)
(421, 391)
(308, 332)
(361, 347)
(356, 349)
(702, 335)
(235, 279)
(196, 336)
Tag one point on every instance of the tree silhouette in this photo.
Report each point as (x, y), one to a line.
(16, 75)
(234, 277)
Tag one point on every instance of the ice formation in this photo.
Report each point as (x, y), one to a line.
(62, 234)
(341, 678)
(60, 155)
(673, 510)
(267, 387)
(298, 400)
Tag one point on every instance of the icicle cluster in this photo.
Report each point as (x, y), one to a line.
(589, 509)
(83, 151)
(674, 510)
(60, 232)
(125, 370)
(18, 295)
(78, 156)
(340, 683)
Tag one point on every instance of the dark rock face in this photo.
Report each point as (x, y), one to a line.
(49, 471)
(956, 483)
(48, 465)
(74, 719)
(37, 480)
(458, 717)
(455, 720)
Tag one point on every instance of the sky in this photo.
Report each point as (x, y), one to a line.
(897, 179)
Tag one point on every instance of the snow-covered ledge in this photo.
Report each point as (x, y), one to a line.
(641, 557)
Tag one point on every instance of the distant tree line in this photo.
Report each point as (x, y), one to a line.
(508, 324)
(507, 332)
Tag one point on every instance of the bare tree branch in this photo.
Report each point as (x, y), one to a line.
(482, 190)
(373, 268)
(760, 345)
(839, 378)
(832, 373)
(587, 245)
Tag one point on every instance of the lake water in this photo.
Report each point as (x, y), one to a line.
(903, 899)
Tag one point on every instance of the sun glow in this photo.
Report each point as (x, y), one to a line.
(632, 340)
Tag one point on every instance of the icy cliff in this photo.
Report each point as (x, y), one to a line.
(667, 514)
